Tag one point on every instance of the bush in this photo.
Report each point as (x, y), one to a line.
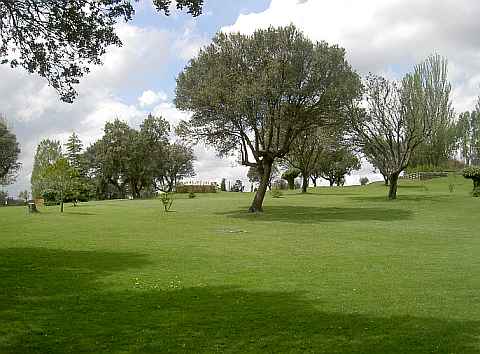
(364, 181)
(191, 195)
(476, 192)
(167, 200)
(276, 193)
(473, 173)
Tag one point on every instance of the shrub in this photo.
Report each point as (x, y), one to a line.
(276, 193)
(167, 200)
(364, 181)
(191, 195)
(473, 173)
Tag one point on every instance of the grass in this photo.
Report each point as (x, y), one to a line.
(338, 270)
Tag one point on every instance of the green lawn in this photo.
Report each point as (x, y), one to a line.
(338, 270)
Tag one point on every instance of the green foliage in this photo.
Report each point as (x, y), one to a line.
(290, 175)
(476, 192)
(9, 152)
(61, 40)
(223, 185)
(276, 193)
(364, 181)
(335, 162)
(415, 109)
(473, 173)
(48, 153)
(240, 83)
(191, 195)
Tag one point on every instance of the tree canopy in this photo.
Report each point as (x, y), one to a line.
(254, 95)
(9, 152)
(400, 116)
(59, 40)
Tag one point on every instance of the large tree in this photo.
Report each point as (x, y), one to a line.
(59, 40)
(47, 154)
(439, 146)
(254, 95)
(398, 116)
(9, 151)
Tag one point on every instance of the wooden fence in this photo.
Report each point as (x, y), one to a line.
(424, 175)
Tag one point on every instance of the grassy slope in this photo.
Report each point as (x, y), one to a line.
(339, 270)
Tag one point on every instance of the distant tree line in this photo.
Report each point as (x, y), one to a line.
(125, 162)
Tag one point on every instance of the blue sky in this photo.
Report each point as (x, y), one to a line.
(216, 14)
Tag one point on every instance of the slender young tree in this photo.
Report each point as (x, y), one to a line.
(254, 95)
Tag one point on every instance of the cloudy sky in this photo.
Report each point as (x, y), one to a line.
(382, 36)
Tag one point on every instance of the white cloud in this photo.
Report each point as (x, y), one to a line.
(150, 97)
(388, 36)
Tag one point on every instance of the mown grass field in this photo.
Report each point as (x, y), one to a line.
(338, 270)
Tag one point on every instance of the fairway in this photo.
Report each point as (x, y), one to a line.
(338, 270)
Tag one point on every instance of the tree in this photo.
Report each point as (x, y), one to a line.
(290, 175)
(306, 152)
(397, 118)
(59, 178)
(438, 147)
(336, 162)
(473, 173)
(9, 151)
(254, 176)
(223, 186)
(48, 152)
(74, 151)
(254, 95)
(59, 40)
(468, 135)
(23, 195)
(178, 164)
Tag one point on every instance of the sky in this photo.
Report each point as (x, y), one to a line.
(386, 37)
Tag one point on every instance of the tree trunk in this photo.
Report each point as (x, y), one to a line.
(332, 182)
(393, 178)
(291, 183)
(257, 204)
(385, 178)
(314, 181)
(304, 184)
(61, 206)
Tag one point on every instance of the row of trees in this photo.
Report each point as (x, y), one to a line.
(124, 162)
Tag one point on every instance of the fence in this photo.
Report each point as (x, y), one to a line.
(424, 175)
(196, 188)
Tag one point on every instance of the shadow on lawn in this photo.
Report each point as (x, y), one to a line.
(53, 302)
(309, 215)
(407, 198)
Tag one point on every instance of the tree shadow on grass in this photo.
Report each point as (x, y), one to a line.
(75, 315)
(407, 198)
(310, 215)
